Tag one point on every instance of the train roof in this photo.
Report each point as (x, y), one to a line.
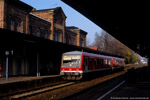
(73, 52)
(79, 53)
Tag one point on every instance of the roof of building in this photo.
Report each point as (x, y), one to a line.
(70, 30)
(72, 27)
(76, 28)
(39, 17)
(16, 37)
(93, 47)
(21, 4)
(56, 10)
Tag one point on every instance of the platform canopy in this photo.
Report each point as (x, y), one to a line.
(126, 20)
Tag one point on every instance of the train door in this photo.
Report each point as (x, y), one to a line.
(95, 64)
(112, 63)
(101, 63)
(90, 63)
(85, 63)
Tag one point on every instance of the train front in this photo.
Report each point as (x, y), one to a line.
(71, 68)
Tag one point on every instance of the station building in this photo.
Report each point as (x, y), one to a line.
(48, 24)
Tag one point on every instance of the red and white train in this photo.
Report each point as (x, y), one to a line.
(75, 64)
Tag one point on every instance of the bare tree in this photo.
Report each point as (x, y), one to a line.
(102, 41)
(109, 44)
(88, 42)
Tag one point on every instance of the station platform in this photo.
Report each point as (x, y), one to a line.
(21, 82)
(24, 79)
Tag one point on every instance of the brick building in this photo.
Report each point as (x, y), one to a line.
(14, 15)
(57, 18)
(79, 39)
(47, 23)
(71, 36)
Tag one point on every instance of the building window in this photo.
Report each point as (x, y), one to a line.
(59, 39)
(38, 33)
(30, 28)
(12, 25)
(69, 42)
(67, 39)
(18, 26)
(45, 34)
(73, 41)
(81, 43)
(55, 36)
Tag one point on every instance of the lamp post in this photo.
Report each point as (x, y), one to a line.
(38, 64)
(7, 53)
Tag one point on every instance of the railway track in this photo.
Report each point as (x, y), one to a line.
(32, 91)
(88, 93)
(64, 89)
(41, 90)
(67, 91)
(83, 93)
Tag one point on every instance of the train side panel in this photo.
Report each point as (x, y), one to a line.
(96, 63)
(118, 63)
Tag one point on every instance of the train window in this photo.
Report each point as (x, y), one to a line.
(105, 61)
(115, 62)
(109, 62)
(85, 61)
(101, 62)
(90, 62)
(98, 62)
(71, 61)
(95, 61)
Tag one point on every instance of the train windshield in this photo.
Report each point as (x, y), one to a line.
(71, 61)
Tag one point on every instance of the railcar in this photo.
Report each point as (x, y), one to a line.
(76, 64)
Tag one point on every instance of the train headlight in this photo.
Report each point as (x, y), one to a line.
(77, 70)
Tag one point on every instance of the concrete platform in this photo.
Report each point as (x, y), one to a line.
(23, 82)
(24, 79)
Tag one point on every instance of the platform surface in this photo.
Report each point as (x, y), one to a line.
(23, 78)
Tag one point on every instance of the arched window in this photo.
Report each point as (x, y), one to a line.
(12, 24)
(18, 26)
